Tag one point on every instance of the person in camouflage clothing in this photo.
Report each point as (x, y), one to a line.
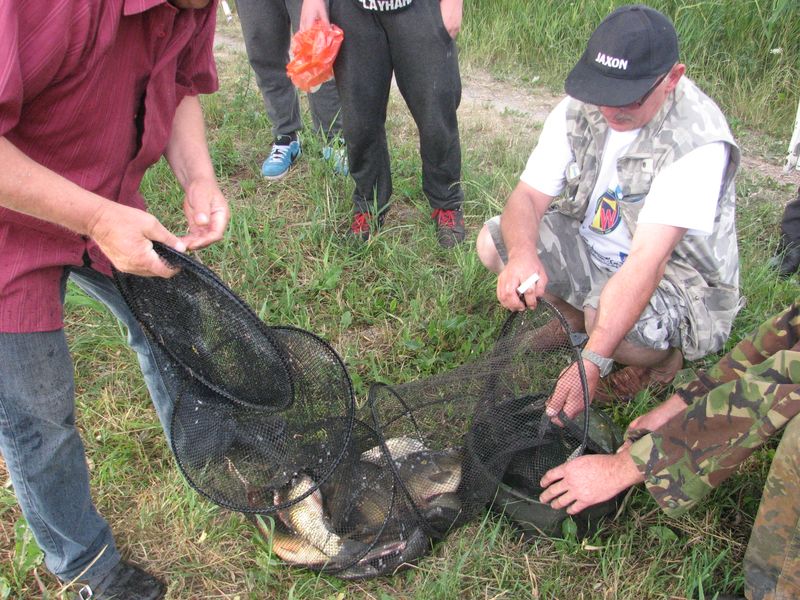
(697, 438)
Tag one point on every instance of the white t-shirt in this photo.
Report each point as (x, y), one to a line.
(684, 194)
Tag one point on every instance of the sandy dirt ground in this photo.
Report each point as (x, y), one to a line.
(520, 107)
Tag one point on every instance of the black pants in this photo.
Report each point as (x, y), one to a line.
(790, 223)
(413, 44)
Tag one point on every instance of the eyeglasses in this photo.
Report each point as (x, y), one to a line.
(638, 103)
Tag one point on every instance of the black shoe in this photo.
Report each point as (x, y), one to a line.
(787, 261)
(124, 582)
(450, 229)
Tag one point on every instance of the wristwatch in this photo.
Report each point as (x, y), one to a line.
(601, 362)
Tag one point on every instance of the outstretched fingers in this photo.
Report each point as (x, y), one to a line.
(560, 496)
(588, 480)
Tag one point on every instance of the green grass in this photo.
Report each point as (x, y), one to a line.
(400, 309)
(744, 53)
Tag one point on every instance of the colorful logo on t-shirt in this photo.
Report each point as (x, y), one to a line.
(606, 213)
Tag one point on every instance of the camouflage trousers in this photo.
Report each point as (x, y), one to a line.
(733, 408)
(573, 277)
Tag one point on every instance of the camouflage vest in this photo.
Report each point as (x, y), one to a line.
(706, 268)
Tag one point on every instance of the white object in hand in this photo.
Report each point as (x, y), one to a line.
(528, 283)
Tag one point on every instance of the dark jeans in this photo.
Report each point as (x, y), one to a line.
(414, 45)
(41, 445)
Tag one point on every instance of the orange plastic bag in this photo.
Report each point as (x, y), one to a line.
(313, 52)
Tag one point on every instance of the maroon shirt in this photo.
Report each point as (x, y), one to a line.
(88, 88)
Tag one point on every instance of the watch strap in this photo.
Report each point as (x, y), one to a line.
(601, 362)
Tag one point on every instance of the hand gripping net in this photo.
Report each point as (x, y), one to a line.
(264, 423)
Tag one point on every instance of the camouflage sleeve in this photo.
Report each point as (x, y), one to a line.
(778, 333)
(701, 446)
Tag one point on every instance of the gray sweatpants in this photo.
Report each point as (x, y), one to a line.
(268, 26)
(414, 45)
(573, 277)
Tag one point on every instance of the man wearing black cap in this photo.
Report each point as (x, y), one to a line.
(640, 250)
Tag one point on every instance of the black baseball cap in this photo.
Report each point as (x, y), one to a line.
(627, 53)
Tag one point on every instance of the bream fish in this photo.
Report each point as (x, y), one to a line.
(307, 519)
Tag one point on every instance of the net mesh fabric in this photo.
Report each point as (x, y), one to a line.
(255, 404)
(265, 423)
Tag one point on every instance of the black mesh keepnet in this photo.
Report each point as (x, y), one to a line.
(210, 332)
(255, 404)
(480, 416)
(265, 423)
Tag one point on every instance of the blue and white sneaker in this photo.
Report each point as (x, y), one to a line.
(285, 151)
(337, 156)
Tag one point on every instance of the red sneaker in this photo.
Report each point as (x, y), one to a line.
(449, 227)
(363, 224)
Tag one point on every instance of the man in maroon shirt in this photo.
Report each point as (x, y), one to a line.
(92, 92)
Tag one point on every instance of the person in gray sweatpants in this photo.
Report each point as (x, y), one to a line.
(414, 40)
(267, 26)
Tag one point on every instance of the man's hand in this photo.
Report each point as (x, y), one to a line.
(126, 235)
(655, 418)
(568, 394)
(588, 480)
(312, 11)
(452, 13)
(207, 213)
(519, 225)
(513, 274)
(187, 152)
